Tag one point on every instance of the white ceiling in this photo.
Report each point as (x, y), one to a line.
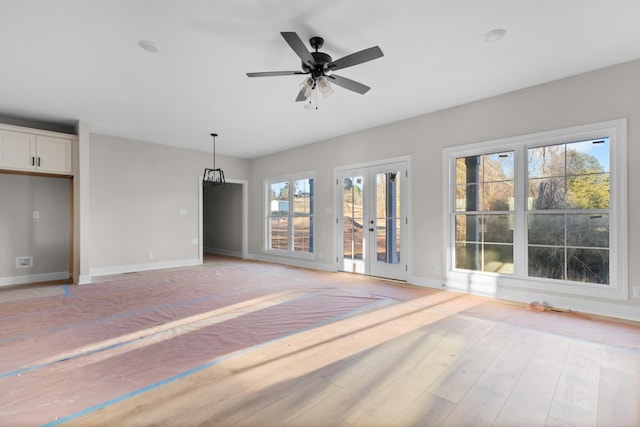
(67, 60)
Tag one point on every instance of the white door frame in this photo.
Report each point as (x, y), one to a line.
(406, 200)
(245, 217)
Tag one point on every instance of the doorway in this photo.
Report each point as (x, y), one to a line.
(372, 223)
(224, 219)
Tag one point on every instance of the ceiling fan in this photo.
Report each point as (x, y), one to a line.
(319, 67)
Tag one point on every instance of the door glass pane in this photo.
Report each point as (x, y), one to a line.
(387, 244)
(352, 217)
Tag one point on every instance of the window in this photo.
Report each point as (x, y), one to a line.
(568, 211)
(484, 219)
(290, 215)
(544, 211)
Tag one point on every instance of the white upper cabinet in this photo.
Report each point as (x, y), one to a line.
(53, 154)
(17, 150)
(36, 152)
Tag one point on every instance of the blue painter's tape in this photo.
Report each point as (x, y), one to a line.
(67, 292)
(135, 392)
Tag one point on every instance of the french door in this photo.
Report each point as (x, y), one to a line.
(372, 223)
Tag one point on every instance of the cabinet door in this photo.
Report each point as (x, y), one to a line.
(17, 150)
(53, 155)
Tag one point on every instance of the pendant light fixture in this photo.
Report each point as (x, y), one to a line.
(213, 176)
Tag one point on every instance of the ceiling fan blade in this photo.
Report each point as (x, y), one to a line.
(349, 84)
(298, 47)
(356, 58)
(274, 73)
(301, 96)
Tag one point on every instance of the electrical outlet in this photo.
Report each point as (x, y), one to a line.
(24, 262)
(36, 214)
(150, 255)
(636, 291)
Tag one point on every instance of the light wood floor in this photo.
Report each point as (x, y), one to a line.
(418, 358)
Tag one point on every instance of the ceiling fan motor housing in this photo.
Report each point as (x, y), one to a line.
(321, 59)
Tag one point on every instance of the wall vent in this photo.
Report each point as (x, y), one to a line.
(24, 261)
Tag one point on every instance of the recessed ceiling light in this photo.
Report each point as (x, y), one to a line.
(149, 46)
(494, 35)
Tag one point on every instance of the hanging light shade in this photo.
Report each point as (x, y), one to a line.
(309, 85)
(324, 86)
(213, 176)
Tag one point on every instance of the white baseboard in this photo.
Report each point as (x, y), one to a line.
(567, 302)
(218, 251)
(295, 262)
(34, 278)
(132, 268)
(84, 279)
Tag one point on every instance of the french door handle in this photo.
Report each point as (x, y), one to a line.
(371, 229)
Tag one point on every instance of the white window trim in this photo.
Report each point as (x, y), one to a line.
(266, 184)
(484, 282)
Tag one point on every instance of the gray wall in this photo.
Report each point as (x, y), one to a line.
(144, 198)
(222, 219)
(137, 189)
(46, 239)
(606, 94)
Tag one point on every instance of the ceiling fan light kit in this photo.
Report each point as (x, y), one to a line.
(319, 67)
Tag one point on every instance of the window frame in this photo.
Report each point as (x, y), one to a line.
(617, 289)
(290, 250)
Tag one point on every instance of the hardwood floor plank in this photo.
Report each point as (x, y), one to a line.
(622, 360)
(425, 410)
(552, 422)
(618, 407)
(391, 398)
(529, 402)
(483, 402)
(388, 397)
(576, 397)
(454, 383)
(284, 407)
